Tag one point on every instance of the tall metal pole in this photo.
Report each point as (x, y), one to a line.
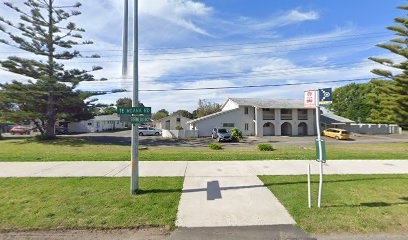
(320, 149)
(135, 102)
(125, 38)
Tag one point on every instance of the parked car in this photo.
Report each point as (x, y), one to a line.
(337, 133)
(61, 130)
(21, 130)
(221, 134)
(148, 131)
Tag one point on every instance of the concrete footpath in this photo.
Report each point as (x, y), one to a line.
(220, 199)
(199, 168)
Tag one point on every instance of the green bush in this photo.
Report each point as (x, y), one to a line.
(215, 146)
(265, 147)
(178, 127)
(236, 134)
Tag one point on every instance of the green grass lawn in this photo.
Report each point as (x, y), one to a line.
(74, 149)
(351, 203)
(81, 203)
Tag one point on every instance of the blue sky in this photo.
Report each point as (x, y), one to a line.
(230, 43)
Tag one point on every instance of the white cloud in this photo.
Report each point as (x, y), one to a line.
(288, 18)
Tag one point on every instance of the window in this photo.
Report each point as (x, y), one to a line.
(268, 114)
(89, 124)
(286, 114)
(246, 126)
(302, 114)
(228, 125)
(178, 120)
(246, 110)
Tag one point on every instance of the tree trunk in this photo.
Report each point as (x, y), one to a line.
(51, 112)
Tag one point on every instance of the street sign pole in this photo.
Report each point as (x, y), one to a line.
(134, 187)
(320, 149)
(309, 102)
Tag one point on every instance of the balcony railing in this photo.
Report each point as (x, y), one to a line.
(286, 116)
(268, 116)
(302, 117)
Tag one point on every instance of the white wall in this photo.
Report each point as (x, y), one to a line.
(173, 122)
(373, 128)
(255, 121)
(230, 105)
(310, 122)
(179, 133)
(96, 126)
(236, 116)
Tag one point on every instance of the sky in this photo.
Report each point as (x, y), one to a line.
(186, 44)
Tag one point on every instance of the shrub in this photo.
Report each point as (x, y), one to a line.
(215, 146)
(236, 134)
(178, 127)
(265, 147)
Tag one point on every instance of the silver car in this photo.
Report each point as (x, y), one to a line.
(148, 131)
(221, 134)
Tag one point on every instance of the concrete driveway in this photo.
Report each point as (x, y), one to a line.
(123, 138)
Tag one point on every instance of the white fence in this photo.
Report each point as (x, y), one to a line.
(367, 128)
(179, 133)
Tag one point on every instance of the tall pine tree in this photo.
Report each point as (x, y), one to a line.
(394, 96)
(45, 30)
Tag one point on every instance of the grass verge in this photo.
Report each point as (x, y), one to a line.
(350, 203)
(77, 149)
(82, 203)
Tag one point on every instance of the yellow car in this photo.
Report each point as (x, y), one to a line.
(337, 133)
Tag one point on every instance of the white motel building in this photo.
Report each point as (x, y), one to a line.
(260, 117)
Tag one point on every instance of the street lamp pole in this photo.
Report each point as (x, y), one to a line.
(135, 103)
(125, 38)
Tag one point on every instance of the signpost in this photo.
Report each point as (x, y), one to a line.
(138, 119)
(134, 110)
(315, 99)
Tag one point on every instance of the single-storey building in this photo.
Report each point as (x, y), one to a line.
(97, 124)
(331, 120)
(260, 117)
(171, 122)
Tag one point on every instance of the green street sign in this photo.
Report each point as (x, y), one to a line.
(323, 144)
(135, 110)
(138, 119)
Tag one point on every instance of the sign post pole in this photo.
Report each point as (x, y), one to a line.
(134, 186)
(309, 187)
(320, 150)
(309, 102)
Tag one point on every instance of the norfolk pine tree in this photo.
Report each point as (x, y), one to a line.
(394, 96)
(44, 30)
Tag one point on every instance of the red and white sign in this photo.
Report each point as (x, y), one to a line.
(310, 99)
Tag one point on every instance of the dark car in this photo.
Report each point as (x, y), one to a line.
(221, 134)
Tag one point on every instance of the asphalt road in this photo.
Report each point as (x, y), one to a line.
(123, 138)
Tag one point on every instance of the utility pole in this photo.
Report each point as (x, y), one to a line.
(125, 38)
(135, 102)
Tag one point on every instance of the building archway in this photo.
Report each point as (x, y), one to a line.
(286, 129)
(302, 129)
(269, 129)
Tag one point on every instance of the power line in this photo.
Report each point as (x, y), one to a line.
(217, 88)
(229, 45)
(219, 56)
(255, 86)
(216, 76)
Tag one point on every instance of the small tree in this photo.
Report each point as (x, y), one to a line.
(124, 102)
(162, 113)
(183, 113)
(206, 108)
(395, 95)
(45, 30)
